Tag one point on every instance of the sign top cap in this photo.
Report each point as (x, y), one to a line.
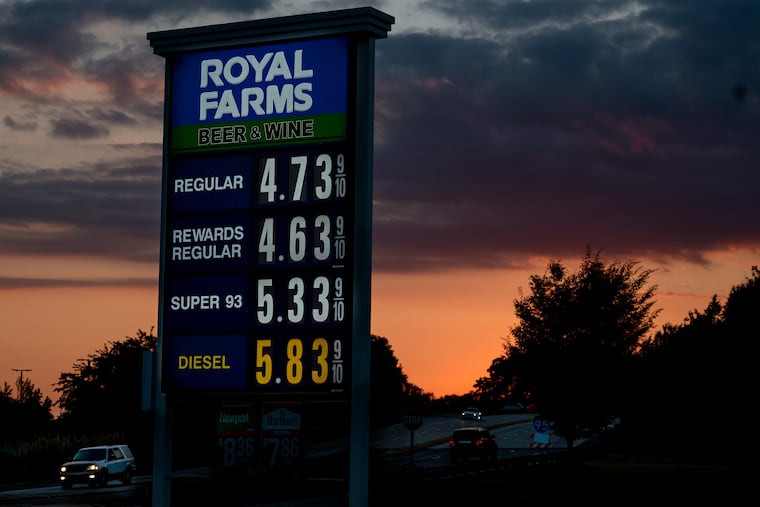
(366, 21)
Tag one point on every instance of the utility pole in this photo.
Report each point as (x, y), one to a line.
(20, 384)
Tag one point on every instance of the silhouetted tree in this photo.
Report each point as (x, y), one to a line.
(503, 384)
(741, 319)
(390, 390)
(675, 378)
(104, 391)
(575, 341)
(698, 375)
(25, 415)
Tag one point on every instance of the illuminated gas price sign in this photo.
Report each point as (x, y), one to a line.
(259, 226)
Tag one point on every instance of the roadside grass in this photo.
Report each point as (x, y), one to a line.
(34, 461)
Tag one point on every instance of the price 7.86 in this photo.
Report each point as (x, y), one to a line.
(317, 366)
(280, 447)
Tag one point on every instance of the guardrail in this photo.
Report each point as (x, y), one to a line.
(480, 470)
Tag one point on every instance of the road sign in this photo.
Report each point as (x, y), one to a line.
(541, 425)
(412, 419)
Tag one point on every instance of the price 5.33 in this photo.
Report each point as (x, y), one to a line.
(322, 300)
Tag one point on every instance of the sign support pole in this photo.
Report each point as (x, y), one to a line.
(162, 452)
(411, 450)
(162, 436)
(360, 393)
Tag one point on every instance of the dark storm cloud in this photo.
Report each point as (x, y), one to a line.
(51, 283)
(536, 129)
(563, 128)
(12, 124)
(518, 15)
(48, 42)
(111, 116)
(76, 128)
(107, 209)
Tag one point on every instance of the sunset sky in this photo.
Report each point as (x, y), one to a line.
(508, 133)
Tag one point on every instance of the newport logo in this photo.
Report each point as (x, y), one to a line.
(235, 422)
(224, 417)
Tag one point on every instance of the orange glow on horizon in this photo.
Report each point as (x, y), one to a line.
(445, 329)
(48, 330)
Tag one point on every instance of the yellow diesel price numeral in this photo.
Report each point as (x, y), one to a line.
(263, 361)
(294, 366)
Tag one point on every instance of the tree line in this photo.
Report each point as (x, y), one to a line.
(101, 402)
(583, 352)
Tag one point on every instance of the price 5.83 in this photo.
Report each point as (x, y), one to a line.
(315, 363)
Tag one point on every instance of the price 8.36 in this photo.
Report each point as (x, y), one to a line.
(236, 449)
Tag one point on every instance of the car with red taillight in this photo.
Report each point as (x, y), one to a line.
(472, 442)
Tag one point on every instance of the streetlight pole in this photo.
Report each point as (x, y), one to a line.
(20, 384)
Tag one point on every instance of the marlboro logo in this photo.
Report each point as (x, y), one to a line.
(281, 419)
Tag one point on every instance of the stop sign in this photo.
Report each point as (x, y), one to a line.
(412, 419)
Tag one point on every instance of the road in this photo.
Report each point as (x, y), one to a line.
(430, 443)
(392, 444)
(437, 430)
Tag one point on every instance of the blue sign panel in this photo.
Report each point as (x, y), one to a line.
(206, 363)
(273, 81)
(206, 304)
(541, 425)
(210, 184)
(259, 223)
(278, 94)
(208, 243)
